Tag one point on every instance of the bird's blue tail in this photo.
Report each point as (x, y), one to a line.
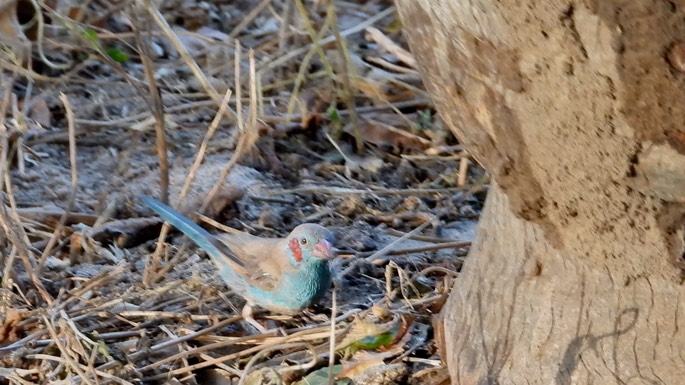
(217, 250)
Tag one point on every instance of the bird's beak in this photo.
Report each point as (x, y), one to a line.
(323, 250)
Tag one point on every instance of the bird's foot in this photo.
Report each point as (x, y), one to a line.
(247, 316)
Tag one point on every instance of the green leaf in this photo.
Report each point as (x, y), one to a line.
(117, 55)
(334, 114)
(367, 335)
(425, 118)
(91, 36)
(375, 342)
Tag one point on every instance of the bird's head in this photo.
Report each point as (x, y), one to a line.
(309, 242)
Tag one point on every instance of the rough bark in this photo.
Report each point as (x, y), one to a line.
(576, 109)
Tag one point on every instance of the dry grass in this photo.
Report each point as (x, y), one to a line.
(322, 98)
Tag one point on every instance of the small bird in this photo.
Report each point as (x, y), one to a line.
(283, 275)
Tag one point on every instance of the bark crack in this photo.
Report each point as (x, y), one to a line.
(567, 21)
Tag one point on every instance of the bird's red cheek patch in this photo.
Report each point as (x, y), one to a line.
(295, 248)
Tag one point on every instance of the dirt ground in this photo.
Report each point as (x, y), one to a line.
(343, 135)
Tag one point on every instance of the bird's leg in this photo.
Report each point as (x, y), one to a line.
(247, 316)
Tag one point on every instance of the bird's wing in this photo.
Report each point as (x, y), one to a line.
(262, 258)
(254, 259)
(217, 250)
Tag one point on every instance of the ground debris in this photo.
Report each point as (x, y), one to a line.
(289, 126)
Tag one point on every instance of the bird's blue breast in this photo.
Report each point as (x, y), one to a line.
(297, 291)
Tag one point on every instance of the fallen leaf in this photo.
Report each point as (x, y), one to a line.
(382, 134)
(223, 201)
(368, 335)
(313, 103)
(361, 364)
(380, 311)
(8, 329)
(40, 113)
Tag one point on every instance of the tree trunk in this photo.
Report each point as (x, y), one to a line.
(576, 110)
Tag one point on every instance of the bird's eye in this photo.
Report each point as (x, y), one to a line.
(303, 241)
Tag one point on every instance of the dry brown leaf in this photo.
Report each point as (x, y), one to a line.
(363, 328)
(190, 13)
(380, 311)
(313, 103)
(77, 13)
(382, 134)
(403, 333)
(224, 200)
(8, 330)
(40, 113)
(352, 369)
